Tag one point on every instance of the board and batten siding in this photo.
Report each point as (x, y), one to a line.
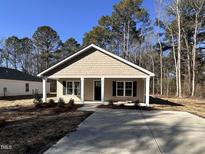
(89, 91)
(17, 87)
(95, 63)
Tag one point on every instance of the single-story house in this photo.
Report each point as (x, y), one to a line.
(94, 74)
(17, 83)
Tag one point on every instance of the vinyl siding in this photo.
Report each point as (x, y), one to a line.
(17, 87)
(95, 63)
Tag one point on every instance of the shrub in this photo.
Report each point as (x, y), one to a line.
(71, 102)
(61, 102)
(110, 102)
(136, 102)
(51, 103)
(37, 100)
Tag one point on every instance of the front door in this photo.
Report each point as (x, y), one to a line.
(97, 90)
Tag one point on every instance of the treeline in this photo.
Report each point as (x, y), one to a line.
(33, 55)
(172, 46)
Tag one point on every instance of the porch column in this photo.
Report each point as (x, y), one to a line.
(102, 89)
(147, 91)
(44, 90)
(82, 90)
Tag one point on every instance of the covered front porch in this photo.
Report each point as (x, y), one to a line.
(101, 89)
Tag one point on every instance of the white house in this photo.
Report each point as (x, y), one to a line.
(16, 83)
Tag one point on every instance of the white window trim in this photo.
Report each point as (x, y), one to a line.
(124, 89)
(73, 87)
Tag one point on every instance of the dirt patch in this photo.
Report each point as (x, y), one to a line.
(31, 130)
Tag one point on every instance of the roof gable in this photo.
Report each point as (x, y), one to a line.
(101, 50)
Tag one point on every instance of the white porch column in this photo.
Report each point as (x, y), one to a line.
(102, 89)
(147, 91)
(44, 90)
(82, 90)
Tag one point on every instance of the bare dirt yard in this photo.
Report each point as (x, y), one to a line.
(26, 129)
(193, 105)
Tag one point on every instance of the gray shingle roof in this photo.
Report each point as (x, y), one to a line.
(12, 74)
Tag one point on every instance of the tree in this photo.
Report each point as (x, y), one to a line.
(158, 19)
(26, 47)
(176, 10)
(120, 32)
(199, 13)
(12, 51)
(69, 47)
(46, 41)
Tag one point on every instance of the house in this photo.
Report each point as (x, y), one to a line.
(16, 83)
(94, 74)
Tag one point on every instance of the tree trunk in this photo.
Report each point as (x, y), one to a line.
(179, 49)
(160, 55)
(188, 65)
(194, 56)
(175, 64)
(167, 83)
(128, 39)
(153, 70)
(124, 40)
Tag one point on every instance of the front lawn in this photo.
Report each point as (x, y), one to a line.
(33, 130)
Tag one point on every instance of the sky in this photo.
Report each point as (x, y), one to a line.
(70, 18)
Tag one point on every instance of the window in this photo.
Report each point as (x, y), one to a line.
(27, 87)
(73, 88)
(69, 88)
(124, 88)
(76, 88)
(120, 88)
(128, 88)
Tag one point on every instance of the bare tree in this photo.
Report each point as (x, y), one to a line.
(159, 11)
(176, 9)
(197, 7)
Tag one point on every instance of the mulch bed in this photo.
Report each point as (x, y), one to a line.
(121, 106)
(28, 130)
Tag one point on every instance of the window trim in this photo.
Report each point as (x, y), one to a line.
(124, 89)
(73, 87)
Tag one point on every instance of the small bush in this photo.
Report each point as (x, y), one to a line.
(136, 102)
(110, 102)
(51, 103)
(61, 102)
(37, 100)
(71, 102)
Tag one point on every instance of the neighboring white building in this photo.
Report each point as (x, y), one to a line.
(16, 83)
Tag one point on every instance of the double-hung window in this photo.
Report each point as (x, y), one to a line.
(76, 88)
(120, 88)
(124, 88)
(73, 88)
(69, 88)
(128, 89)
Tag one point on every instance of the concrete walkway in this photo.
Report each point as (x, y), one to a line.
(135, 132)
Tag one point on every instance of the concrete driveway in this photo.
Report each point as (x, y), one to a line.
(130, 132)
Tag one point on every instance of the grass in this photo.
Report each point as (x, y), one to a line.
(33, 130)
(192, 105)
